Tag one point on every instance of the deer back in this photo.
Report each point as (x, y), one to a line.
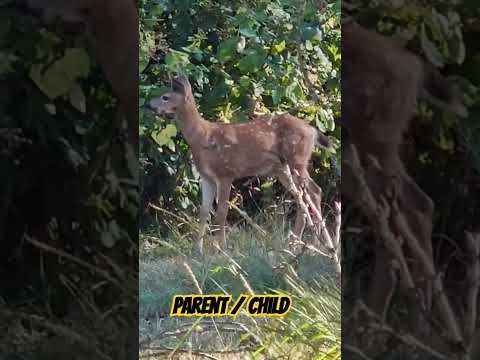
(261, 146)
(380, 83)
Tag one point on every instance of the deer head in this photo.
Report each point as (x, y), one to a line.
(174, 100)
(111, 27)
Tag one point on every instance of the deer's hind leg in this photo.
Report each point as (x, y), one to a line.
(310, 187)
(300, 220)
(315, 193)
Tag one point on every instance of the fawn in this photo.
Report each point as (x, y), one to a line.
(225, 152)
(112, 29)
(381, 84)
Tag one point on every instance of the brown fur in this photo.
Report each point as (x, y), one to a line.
(224, 152)
(112, 28)
(381, 84)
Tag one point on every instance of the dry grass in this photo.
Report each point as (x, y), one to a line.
(257, 263)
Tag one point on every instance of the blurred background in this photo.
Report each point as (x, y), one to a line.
(242, 58)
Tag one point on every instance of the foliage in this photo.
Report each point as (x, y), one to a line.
(313, 327)
(442, 33)
(68, 179)
(241, 57)
(49, 80)
(440, 151)
(310, 330)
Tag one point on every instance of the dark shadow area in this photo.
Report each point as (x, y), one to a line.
(410, 180)
(68, 179)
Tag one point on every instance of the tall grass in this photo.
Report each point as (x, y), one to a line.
(311, 330)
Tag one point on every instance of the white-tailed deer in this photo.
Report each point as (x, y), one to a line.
(381, 82)
(225, 152)
(112, 29)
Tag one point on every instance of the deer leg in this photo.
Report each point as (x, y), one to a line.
(420, 221)
(208, 196)
(315, 193)
(299, 226)
(300, 220)
(223, 195)
(383, 284)
(418, 210)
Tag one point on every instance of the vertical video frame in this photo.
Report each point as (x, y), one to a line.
(410, 180)
(239, 248)
(69, 179)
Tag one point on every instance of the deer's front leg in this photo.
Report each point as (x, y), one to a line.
(208, 196)
(223, 195)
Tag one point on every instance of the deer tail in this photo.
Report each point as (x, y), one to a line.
(441, 92)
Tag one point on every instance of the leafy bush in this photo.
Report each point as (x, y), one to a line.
(241, 57)
(67, 186)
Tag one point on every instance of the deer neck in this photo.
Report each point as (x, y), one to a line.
(191, 124)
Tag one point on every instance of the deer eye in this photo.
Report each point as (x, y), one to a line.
(165, 97)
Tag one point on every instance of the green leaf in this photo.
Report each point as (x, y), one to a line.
(431, 51)
(77, 62)
(280, 47)
(176, 60)
(249, 33)
(146, 48)
(457, 47)
(320, 123)
(251, 63)
(164, 137)
(277, 96)
(293, 92)
(227, 50)
(59, 78)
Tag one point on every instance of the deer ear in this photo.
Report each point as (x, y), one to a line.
(181, 85)
(178, 87)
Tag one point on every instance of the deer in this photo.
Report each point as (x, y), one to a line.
(381, 85)
(112, 31)
(265, 145)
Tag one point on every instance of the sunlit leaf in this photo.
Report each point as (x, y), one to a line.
(165, 136)
(431, 51)
(60, 77)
